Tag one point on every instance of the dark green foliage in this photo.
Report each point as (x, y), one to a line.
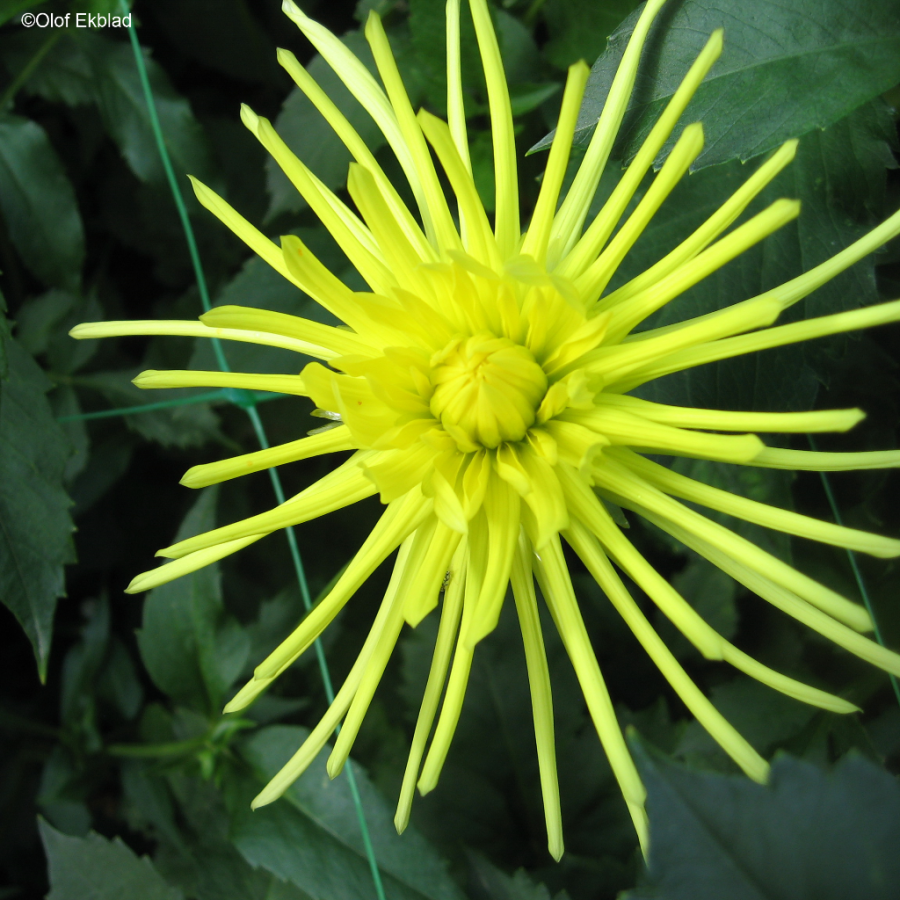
(312, 837)
(578, 27)
(807, 834)
(101, 869)
(839, 176)
(784, 71)
(35, 526)
(142, 785)
(191, 648)
(38, 204)
(4, 340)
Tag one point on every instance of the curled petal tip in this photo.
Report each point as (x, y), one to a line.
(134, 586)
(198, 186)
(249, 118)
(579, 66)
(426, 787)
(191, 478)
(145, 378)
(695, 130)
(81, 331)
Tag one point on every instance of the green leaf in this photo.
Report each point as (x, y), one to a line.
(311, 837)
(181, 425)
(233, 43)
(86, 68)
(526, 96)
(482, 154)
(14, 7)
(192, 649)
(64, 403)
(43, 324)
(61, 796)
(118, 683)
(80, 668)
(96, 868)
(521, 59)
(578, 29)
(786, 69)
(124, 109)
(314, 141)
(39, 319)
(428, 39)
(121, 101)
(35, 525)
(106, 464)
(196, 854)
(839, 176)
(4, 339)
(766, 718)
(64, 74)
(712, 593)
(38, 204)
(490, 883)
(806, 835)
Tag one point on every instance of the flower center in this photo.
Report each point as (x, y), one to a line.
(486, 390)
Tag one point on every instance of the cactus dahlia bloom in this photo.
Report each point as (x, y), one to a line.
(483, 386)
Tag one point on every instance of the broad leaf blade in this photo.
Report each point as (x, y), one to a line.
(577, 29)
(490, 882)
(183, 424)
(786, 69)
(35, 525)
(311, 837)
(14, 7)
(124, 109)
(96, 868)
(807, 835)
(839, 176)
(4, 340)
(189, 820)
(191, 648)
(38, 204)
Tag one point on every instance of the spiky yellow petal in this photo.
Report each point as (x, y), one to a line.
(483, 384)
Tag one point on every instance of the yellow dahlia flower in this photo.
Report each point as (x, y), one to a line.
(483, 384)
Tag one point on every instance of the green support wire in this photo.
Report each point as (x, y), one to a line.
(857, 573)
(226, 394)
(248, 400)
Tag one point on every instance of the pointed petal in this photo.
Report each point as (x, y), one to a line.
(568, 222)
(541, 697)
(507, 226)
(553, 576)
(331, 441)
(722, 731)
